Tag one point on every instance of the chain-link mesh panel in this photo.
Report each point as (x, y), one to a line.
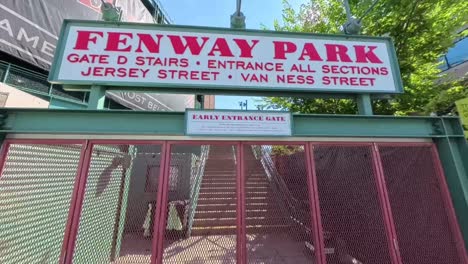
(421, 222)
(201, 209)
(277, 205)
(35, 194)
(352, 220)
(116, 223)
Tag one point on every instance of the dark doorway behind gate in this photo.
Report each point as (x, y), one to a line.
(68, 201)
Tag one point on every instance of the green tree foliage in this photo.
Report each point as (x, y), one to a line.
(421, 30)
(449, 92)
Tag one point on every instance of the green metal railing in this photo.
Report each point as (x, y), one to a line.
(36, 83)
(289, 204)
(195, 190)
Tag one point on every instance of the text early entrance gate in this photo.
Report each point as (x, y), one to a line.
(126, 201)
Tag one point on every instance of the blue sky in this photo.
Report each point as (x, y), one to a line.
(217, 13)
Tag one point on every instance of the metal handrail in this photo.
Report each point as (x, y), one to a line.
(263, 153)
(36, 77)
(195, 190)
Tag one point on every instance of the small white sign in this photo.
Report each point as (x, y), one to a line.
(238, 123)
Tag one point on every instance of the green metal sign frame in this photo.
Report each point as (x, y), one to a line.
(222, 89)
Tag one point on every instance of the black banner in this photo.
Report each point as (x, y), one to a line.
(29, 31)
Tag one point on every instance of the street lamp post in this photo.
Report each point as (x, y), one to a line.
(110, 12)
(353, 27)
(238, 19)
(238, 22)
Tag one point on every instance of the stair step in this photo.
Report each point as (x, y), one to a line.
(233, 213)
(215, 214)
(211, 176)
(229, 187)
(224, 176)
(219, 230)
(216, 206)
(264, 176)
(217, 195)
(212, 222)
(257, 183)
(221, 164)
(217, 181)
(220, 200)
(232, 221)
(224, 183)
(232, 230)
(248, 199)
(221, 176)
(225, 179)
(248, 194)
(262, 199)
(232, 182)
(218, 188)
(223, 170)
(266, 228)
(232, 205)
(228, 182)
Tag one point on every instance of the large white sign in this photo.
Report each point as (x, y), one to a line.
(238, 123)
(168, 56)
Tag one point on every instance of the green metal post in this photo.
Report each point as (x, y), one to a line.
(97, 97)
(7, 72)
(364, 104)
(199, 101)
(238, 18)
(453, 153)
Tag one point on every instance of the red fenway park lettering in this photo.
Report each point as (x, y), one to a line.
(178, 57)
(191, 45)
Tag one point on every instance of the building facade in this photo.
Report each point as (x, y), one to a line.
(28, 34)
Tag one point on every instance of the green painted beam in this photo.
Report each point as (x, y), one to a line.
(173, 123)
(93, 121)
(370, 126)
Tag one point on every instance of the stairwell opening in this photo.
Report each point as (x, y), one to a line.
(201, 211)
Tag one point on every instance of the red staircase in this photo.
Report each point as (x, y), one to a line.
(217, 202)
